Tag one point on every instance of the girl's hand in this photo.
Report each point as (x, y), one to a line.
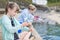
(25, 24)
(29, 24)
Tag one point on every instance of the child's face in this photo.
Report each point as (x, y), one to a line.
(32, 10)
(13, 11)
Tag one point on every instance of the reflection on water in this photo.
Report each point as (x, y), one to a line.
(48, 32)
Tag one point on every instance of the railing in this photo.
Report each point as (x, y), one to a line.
(2, 9)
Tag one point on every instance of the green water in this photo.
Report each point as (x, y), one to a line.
(48, 32)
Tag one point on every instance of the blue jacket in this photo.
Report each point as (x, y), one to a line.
(25, 16)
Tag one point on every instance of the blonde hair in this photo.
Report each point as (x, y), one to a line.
(31, 7)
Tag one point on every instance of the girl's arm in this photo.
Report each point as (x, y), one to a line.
(7, 24)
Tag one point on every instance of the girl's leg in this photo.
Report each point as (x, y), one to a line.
(27, 36)
(32, 38)
(22, 35)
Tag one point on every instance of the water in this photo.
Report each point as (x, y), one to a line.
(48, 32)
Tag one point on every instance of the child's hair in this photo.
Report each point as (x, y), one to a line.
(31, 7)
(11, 5)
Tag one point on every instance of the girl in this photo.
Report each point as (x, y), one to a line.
(10, 25)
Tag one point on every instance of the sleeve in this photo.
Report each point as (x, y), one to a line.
(21, 17)
(25, 16)
(9, 27)
(30, 18)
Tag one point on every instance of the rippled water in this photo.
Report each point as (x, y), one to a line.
(48, 32)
